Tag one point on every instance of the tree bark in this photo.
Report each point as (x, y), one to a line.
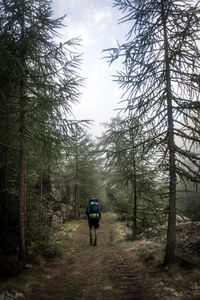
(135, 197)
(76, 180)
(135, 208)
(22, 178)
(41, 197)
(3, 199)
(134, 186)
(171, 231)
(76, 200)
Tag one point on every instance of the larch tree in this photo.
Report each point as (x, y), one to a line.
(82, 169)
(161, 83)
(8, 149)
(129, 162)
(45, 77)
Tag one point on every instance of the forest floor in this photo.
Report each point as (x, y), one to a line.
(116, 269)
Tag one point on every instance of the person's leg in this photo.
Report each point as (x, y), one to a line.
(90, 230)
(96, 232)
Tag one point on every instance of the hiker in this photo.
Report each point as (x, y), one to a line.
(93, 213)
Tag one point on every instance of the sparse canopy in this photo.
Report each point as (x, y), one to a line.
(161, 84)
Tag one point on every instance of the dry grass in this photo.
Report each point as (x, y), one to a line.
(115, 253)
(180, 281)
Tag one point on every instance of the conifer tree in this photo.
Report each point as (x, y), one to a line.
(129, 164)
(44, 76)
(161, 83)
(82, 169)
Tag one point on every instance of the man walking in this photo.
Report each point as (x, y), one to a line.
(93, 213)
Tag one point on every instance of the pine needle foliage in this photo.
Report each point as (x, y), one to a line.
(133, 179)
(40, 82)
(161, 85)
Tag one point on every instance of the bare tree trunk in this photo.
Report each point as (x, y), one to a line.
(22, 178)
(76, 200)
(76, 181)
(41, 197)
(135, 202)
(3, 199)
(171, 231)
(134, 185)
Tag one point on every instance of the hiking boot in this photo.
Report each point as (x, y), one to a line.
(91, 242)
(95, 242)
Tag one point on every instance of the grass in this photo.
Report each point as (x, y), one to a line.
(56, 248)
(180, 281)
(22, 280)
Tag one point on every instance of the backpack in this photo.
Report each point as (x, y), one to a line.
(93, 209)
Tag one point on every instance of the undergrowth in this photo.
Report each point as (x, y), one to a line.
(180, 280)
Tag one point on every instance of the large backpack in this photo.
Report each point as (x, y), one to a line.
(93, 209)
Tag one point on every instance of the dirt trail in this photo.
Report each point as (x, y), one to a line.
(88, 272)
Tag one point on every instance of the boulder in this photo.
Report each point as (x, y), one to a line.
(62, 214)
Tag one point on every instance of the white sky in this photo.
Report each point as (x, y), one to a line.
(95, 22)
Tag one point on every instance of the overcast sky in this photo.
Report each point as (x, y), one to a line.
(95, 22)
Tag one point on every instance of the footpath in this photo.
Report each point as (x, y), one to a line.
(88, 272)
(117, 269)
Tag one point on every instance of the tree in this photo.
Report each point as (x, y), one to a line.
(133, 175)
(82, 170)
(161, 83)
(44, 77)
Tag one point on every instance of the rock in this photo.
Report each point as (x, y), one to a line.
(18, 295)
(28, 266)
(63, 213)
(8, 294)
(106, 288)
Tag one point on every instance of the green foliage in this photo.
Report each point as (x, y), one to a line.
(144, 79)
(49, 248)
(49, 71)
(123, 205)
(131, 172)
(189, 201)
(80, 171)
(161, 90)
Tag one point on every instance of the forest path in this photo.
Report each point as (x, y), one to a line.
(88, 272)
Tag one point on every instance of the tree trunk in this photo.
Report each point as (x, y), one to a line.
(135, 208)
(76, 181)
(171, 231)
(41, 197)
(22, 178)
(3, 199)
(135, 197)
(76, 200)
(134, 186)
